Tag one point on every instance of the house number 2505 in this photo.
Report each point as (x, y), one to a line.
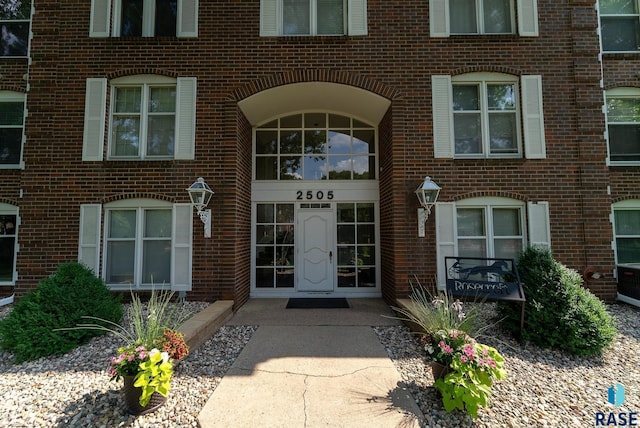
(311, 194)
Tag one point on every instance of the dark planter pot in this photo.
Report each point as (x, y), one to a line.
(439, 371)
(132, 398)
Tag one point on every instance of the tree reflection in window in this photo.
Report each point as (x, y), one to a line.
(15, 19)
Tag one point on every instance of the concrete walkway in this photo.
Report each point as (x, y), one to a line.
(312, 368)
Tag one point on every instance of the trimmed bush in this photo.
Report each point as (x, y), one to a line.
(559, 312)
(59, 301)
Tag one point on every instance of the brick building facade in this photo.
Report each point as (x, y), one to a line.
(313, 122)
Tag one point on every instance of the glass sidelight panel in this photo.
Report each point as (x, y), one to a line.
(356, 240)
(274, 251)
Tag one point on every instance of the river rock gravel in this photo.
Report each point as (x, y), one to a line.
(543, 388)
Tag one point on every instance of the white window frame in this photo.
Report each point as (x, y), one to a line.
(6, 209)
(181, 241)
(527, 14)
(272, 17)
(628, 205)
(619, 15)
(530, 111)
(535, 226)
(106, 15)
(480, 22)
(482, 80)
(146, 85)
(16, 97)
(622, 92)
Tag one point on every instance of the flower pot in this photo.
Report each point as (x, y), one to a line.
(439, 371)
(132, 398)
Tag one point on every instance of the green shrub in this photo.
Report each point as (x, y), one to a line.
(559, 312)
(59, 301)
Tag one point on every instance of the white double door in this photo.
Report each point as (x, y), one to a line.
(316, 250)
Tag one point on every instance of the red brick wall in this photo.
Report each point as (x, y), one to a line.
(231, 62)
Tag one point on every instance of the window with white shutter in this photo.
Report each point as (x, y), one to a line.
(144, 18)
(313, 17)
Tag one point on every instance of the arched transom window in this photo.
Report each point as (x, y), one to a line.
(315, 146)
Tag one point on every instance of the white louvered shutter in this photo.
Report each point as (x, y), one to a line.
(89, 241)
(539, 228)
(95, 106)
(185, 118)
(187, 18)
(181, 255)
(357, 17)
(439, 18)
(532, 113)
(269, 18)
(100, 18)
(445, 238)
(528, 18)
(442, 116)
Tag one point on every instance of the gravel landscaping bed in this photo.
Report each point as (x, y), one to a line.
(542, 388)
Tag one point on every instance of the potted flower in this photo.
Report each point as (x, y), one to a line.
(152, 347)
(472, 368)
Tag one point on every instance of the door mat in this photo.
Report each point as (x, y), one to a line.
(322, 303)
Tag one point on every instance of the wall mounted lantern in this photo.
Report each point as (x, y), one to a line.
(427, 194)
(200, 194)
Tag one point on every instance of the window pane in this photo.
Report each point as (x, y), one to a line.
(265, 213)
(618, 7)
(7, 254)
(158, 223)
(15, 9)
(284, 234)
(347, 255)
(470, 222)
(340, 167)
(266, 142)
(627, 222)
(364, 141)
(293, 121)
(295, 17)
(284, 255)
(623, 110)
(284, 277)
(501, 97)
(291, 168)
(315, 120)
(497, 16)
(120, 262)
(346, 277)
(160, 135)
(15, 39)
(337, 121)
(366, 213)
(340, 143)
(10, 145)
(465, 97)
(367, 277)
(463, 16)
(126, 136)
(346, 213)
(264, 255)
(346, 234)
(128, 100)
(506, 222)
(162, 100)
(156, 263)
(628, 250)
(131, 19)
(290, 142)
(122, 224)
(467, 128)
(330, 16)
(265, 234)
(264, 278)
(366, 234)
(11, 113)
(166, 13)
(507, 248)
(364, 167)
(472, 248)
(284, 213)
(620, 33)
(367, 255)
(624, 142)
(266, 168)
(315, 142)
(502, 133)
(315, 168)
